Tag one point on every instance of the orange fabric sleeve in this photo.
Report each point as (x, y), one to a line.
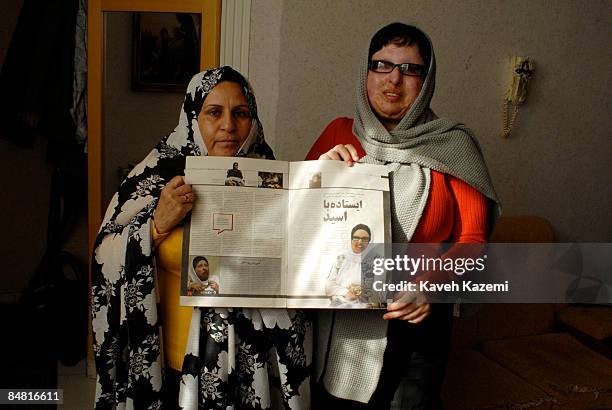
(437, 220)
(454, 211)
(339, 131)
(471, 213)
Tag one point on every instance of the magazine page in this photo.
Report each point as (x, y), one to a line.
(335, 213)
(234, 248)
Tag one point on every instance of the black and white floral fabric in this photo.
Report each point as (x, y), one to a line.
(247, 359)
(236, 358)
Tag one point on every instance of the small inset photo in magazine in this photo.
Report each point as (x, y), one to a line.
(315, 180)
(270, 180)
(234, 176)
(345, 282)
(203, 277)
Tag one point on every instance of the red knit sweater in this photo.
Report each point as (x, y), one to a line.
(454, 212)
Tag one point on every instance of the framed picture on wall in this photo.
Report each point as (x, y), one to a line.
(166, 51)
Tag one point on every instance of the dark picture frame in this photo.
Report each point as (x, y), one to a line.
(166, 51)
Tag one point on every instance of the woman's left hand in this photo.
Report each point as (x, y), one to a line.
(342, 152)
(214, 285)
(412, 311)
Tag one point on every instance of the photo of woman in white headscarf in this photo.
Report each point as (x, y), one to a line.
(343, 284)
(200, 282)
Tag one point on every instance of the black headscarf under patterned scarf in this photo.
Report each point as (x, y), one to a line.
(125, 321)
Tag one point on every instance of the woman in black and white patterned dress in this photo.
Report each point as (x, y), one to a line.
(235, 358)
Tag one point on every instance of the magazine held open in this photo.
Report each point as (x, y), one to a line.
(283, 234)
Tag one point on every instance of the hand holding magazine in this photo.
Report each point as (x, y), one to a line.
(283, 234)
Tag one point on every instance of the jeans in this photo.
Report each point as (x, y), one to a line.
(413, 367)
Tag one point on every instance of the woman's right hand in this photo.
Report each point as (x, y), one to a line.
(350, 296)
(342, 152)
(196, 287)
(175, 200)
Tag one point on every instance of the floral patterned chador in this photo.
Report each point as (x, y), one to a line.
(235, 358)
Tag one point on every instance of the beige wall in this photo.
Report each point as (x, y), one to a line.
(264, 61)
(557, 164)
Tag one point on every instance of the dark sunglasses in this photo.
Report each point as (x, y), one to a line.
(382, 66)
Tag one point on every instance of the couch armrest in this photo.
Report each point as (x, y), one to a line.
(591, 325)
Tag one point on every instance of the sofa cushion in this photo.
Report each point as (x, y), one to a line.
(510, 320)
(594, 321)
(502, 321)
(558, 364)
(475, 382)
